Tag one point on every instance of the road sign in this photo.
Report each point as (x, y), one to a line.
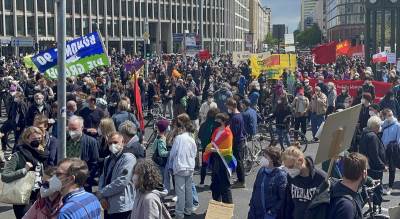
(22, 41)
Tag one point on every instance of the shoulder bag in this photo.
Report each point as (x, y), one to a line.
(17, 192)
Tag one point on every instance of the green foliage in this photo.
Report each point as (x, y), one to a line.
(309, 37)
(270, 40)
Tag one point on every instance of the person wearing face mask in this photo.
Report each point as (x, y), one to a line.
(72, 174)
(332, 95)
(269, 188)
(166, 98)
(322, 85)
(218, 154)
(206, 106)
(29, 155)
(300, 107)
(365, 110)
(237, 126)
(372, 147)
(39, 107)
(303, 181)
(106, 127)
(390, 139)
(116, 193)
(49, 203)
(345, 200)
(82, 146)
(318, 105)
(343, 100)
(368, 87)
(92, 116)
(390, 102)
(308, 90)
(50, 142)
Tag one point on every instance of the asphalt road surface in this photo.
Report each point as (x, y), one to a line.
(241, 197)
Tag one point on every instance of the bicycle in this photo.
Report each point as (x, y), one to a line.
(154, 133)
(373, 196)
(253, 151)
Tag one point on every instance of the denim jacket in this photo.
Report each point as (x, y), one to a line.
(268, 193)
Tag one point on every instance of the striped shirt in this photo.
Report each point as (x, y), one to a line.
(80, 205)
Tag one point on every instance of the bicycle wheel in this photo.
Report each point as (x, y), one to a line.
(151, 139)
(298, 136)
(247, 160)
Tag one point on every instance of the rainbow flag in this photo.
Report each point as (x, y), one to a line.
(223, 142)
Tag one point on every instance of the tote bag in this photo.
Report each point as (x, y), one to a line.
(18, 191)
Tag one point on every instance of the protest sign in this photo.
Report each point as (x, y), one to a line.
(380, 57)
(219, 210)
(346, 121)
(238, 57)
(381, 88)
(82, 55)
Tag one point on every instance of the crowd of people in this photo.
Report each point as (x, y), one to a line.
(209, 106)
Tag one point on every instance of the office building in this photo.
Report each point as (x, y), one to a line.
(260, 19)
(307, 13)
(220, 24)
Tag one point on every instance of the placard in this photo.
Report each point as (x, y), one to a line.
(219, 210)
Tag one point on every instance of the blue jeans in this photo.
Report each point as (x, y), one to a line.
(195, 195)
(184, 191)
(283, 135)
(316, 121)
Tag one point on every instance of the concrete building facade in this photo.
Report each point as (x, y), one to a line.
(221, 24)
(307, 14)
(260, 22)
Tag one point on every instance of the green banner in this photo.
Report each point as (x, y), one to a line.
(80, 66)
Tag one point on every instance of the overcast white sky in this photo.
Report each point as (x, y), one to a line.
(284, 12)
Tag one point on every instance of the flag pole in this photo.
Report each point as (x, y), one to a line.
(61, 86)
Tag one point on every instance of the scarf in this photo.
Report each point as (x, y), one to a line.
(223, 143)
(33, 155)
(48, 207)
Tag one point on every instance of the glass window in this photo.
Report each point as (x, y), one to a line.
(101, 27)
(50, 26)
(143, 10)
(41, 26)
(1, 24)
(124, 23)
(116, 8)
(109, 28)
(130, 9)
(94, 25)
(123, 8)
(109, 8)
(101, 7)
(78, 26)
(130, 28)
(9, 25)
(150, 11)
(137, 9)
(50, 6)
(68, 25)
(29, 6)
(85, 26)
(168, 14)
(137, 28)
(8, 5)
(20, 25)
(156, 15)
(78, 6)
(116, 28)
(85, 7)
(40, 5)
(69, 8)
(20, 5)
(94, 7)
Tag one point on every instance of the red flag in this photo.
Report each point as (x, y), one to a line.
(342, 48)
(325, 53)
(138, 101)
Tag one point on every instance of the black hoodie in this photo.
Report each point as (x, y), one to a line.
(343, 207)
(372, 147)
(301, 190)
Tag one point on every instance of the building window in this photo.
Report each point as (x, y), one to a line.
(130, 28)
(101, 27)
(69, 8)
(29, 6)
(20, 25)
(85, 26)
(20, 5)
(9, 25)
(101, 7)
(124, 23)
(109, 28)
(150, 10)
(168, 14)
(116, 8)
(50, 6)
(50, 26)
(78, 6)
(31, 25)
(41, 26)
(130, 9)
(137, 9)
(138, 28)
(109, 8)
(123, 8)
(8, 5)
(85, 7)
(40, 5)
(78, 27)
(1, 25)
(94, 7)
(68, 25)
(116, 28)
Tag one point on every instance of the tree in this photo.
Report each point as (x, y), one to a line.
(309, 37)
(270, 40)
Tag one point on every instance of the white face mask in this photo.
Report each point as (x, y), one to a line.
(390, 119)
(372, 113)
(114, 148)
(75, 134)
(55, 185)
(264, 162)
(293, 172)
(230, 111)
(363, 101)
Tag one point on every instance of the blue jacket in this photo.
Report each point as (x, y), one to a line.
(115, 182)
(391, 104)
(390, 132)
(268, 193)
(250, 121)
(253, 96)
(123, 116)
(52, 147)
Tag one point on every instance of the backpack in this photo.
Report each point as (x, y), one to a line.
(321, 202)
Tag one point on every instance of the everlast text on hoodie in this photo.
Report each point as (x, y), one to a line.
(301, 190)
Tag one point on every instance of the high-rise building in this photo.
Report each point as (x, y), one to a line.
(279, 31)
(260, 19)
(307, 14)
(221, 24)
(345, 19)
(320, 15)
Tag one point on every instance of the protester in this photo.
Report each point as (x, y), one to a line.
(249, 118)
(192, 109)
(303, 182)
(268, 196)
(80, 145)
(282, 116)
(106, 127)
(206, 106)
(160, 151)
(49, 202)
(39, 107)
(116, 193)
(29, 155)
(318, 106)
(331, 98)
(72, 174)
(131, 139)
(300, 106)
(50, 143)
(123, 114)
(343, 100)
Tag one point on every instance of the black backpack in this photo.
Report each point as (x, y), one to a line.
(320, 203)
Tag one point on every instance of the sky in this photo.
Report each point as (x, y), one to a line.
(284, 12)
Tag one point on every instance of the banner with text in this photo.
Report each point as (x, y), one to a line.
(381, 88)
(82, 55)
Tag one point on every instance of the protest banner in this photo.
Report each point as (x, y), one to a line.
(219, 210)
(82, 55)
(337, 133)
(381, 88)
(204, 55)
(238, 57)
(277, 63)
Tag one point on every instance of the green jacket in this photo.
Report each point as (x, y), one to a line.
(14, 168)
(205, 132)
(161, 143)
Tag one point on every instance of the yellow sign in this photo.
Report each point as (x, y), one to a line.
(274, 65)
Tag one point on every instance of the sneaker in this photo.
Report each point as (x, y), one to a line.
(387, 191)
(195, 207)
(238, 185)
